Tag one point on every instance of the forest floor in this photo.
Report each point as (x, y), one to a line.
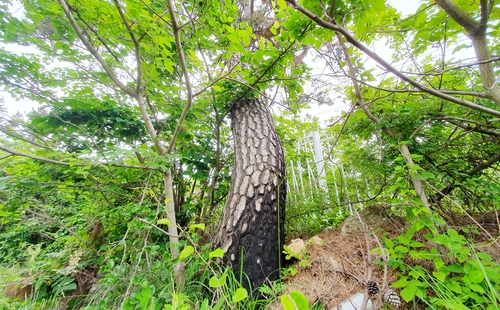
(341, 265)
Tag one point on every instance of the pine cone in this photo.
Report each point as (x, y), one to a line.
(372, 287)
(392, 298)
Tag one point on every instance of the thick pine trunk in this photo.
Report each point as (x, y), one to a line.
(251, 230)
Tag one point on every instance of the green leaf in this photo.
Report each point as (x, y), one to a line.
(426, 175)
(477, 276)
(401, 249)
(403, 240)
(282, 4)
(240, 294)
(219, 253)
(408, 293)
(193, 227)
(441, 276)
(58, 45)
(217, 282)
(293, 301)
(416, 244)
(68, 287)
(186, 252)
(402, 282)
(163, 222)
(454, 286)
(477, 288)
(204, 305)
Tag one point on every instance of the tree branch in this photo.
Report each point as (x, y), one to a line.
(403, 148)
(386, 65)
(462, 18)
(478, 128)
(137, 48)
(93, 50)
(185, 73)
(444, 91)
(449, 188)
(440, 72)
(69, 230)
(477, 32)
(56, 162)
(485, 14)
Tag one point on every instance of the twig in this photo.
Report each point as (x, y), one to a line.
(388, 66)
(185, 73)
(52, 161)
(69, 230)
(153, 225)
(93, 50)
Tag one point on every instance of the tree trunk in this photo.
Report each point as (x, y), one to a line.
(486, 69)
(251, 230)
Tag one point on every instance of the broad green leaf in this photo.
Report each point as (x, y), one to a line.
(477, 288)
(163, 222)
(402, 282)
(204, 305)
(217, 253)
(408, 293)
(454, 286)
(294, 300)
(240, 294)
(441, 276)
(217, 282)
(193, 227)
(477, 275)
(186, 252)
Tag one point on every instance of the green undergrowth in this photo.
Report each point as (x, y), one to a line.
(141, 278)
(440, 267)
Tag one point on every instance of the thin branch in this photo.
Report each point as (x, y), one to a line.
(388, 66)
(137, 48)
(462, 18)
(159, 16)
(69, 230)
(261, 76)
(418, 129)
(106, 46)
(185, 73)
(478, 128)
(14, 135)
(440, 72)
(153, 225)
(56, 162)
(444, 91)
(450, 187)
(84, 132)
(485, 14)
(449, 143)
(403, 148)
(93, 50)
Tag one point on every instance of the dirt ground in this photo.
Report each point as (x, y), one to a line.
(342, 264)
(339, 267)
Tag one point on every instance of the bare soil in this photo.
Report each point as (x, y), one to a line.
(342, 264)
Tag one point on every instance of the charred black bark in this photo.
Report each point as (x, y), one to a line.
(251, 230)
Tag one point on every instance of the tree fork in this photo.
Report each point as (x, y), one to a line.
(251, 231)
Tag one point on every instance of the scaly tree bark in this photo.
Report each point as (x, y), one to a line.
(251, 230)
